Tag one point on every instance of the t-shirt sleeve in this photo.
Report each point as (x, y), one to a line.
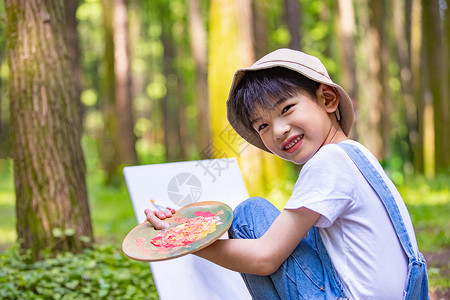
(325, 185)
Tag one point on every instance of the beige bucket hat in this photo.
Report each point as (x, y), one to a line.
(302, 63)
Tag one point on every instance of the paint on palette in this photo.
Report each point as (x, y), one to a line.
(189, 230)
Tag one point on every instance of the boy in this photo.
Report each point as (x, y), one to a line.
(339, 235)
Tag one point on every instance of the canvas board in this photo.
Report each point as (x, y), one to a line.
(176, 185)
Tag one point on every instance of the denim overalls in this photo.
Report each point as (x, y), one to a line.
(308, 273)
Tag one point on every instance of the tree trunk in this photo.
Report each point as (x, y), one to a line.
(5, 141)
(417, 74)
(374, 136)
(435, 59)
(292, 18)
(231, 47)
(171, 122)
(197, 33)
(72, 34)
(261, 27)
(224, 59)
(346, 32)
(126, 139)
(382, 14)
(107, 146)
(49, 168)
(403, 57)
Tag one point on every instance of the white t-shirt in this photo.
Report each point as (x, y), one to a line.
(354, 225)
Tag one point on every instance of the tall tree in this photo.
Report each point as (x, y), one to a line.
(401, 26)
(224, 59)
(417, 78)
(435, 59)
(231, 47)
(372, 17)
(72, 35)
(118, 145)
(380, 17)
(171, 121)
(5, 145)
(49, 168)
(261, 27)
(126, 139)
(292, 18)
(198, 42)
(107, 146)
(346, 32)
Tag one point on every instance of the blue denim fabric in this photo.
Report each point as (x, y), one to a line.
(303, 275)
(417, 281)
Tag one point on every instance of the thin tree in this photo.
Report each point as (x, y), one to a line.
(371, 17)
(435, 57)
(399, 18)
(198, 39)
(170, 109)
(261, 27)
(346, 33)
(49, 168)
(231, 47)
(292, 19)
(5, 145)
(123, 97)
(108, 143)
(418, 74)
(118, 144)
(74, 48)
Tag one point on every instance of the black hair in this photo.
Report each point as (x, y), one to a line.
(265, 87)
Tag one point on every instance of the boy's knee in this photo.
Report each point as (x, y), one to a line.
(249, 205)
(252, 218)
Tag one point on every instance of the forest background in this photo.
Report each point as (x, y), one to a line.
(88, 87)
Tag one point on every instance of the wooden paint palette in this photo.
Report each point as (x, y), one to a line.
(192, 228)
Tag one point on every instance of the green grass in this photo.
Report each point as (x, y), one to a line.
(428, 203)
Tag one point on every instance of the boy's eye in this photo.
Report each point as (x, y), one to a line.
(262, 126)
(286, 108)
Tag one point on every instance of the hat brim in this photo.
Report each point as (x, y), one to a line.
(345, 107)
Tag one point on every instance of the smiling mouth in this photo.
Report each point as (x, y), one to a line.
(293, 143)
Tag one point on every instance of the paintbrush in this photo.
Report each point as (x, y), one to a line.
(158, 205)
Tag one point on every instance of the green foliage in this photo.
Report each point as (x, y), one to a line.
(437, 280)
(7, 207)
(428, 202)
(102, 272)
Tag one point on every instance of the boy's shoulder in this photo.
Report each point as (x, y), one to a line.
(332, 157)
(330, 152)
(334, 149)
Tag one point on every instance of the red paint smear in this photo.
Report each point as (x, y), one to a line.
(204, 214)
(139, 242)
(187, 232)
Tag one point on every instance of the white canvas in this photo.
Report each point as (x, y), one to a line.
(176, 185)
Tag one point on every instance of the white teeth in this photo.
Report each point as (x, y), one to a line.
(287, 147)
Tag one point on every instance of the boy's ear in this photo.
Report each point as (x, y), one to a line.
(330, 97)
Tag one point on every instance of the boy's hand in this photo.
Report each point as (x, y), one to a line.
(156, 217)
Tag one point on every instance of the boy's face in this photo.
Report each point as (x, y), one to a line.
(295, 128)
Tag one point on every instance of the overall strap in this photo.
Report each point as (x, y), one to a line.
(379, 185)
